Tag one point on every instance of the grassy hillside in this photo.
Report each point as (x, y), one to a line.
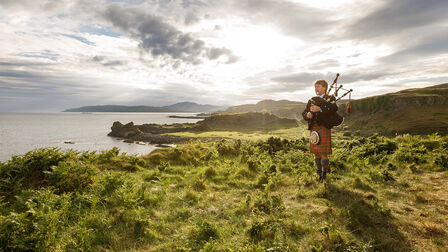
(247, 121)
(281, 108)
(383, 194)
(415, 111)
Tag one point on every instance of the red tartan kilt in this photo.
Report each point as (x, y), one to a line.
(324, 145)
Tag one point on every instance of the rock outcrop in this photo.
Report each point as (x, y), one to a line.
(126, 131)
(157, 134)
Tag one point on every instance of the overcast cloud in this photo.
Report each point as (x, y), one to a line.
(70, 53)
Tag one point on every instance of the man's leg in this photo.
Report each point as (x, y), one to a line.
(325, 165)
(318, 162)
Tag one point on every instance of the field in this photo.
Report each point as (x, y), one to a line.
(383, 194)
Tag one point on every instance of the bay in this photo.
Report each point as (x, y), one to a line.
(22, 132)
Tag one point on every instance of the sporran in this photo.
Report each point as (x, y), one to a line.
(314, 137)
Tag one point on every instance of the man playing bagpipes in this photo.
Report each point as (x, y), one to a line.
(321, 114)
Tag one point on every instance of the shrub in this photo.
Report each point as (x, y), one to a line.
(228, 148)
(70, 176)
(210, 172)
(110, 182)
(442, 161)
(261, 230)
(179, 214)
(190, 198)
(157, 156)
(151, 176)
(122, 162)
(183, 155)
(294, 229)
(387, 146)
(198, 184)
(262, 205)
(163, 166)
(275, 144)
(28, 171)
(262, 181)
(39, 226)
(203, 232)
(380, 176)
(107, 155)
(253, 164)
(430, 144)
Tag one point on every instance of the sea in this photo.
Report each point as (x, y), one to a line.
(23, 132)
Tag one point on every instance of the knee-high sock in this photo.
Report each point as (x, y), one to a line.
(319, 166)
(325, 164)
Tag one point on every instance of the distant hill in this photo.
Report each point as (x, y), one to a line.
(178, 107)
(415, 111)
(281, 108)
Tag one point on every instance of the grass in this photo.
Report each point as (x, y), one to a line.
(411, 119)
(253, 135)
(383, 194)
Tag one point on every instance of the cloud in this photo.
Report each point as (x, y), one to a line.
(433, 45)
(283, 83)
(79, 38)
(35, 90)
(45, 54)
(72, 53)
(394, 17)
(99, 30)
(191, 18)
(31, 5)
(103, 60)
(290, 18)
(162, 39)
(307, 78)
(323, 64)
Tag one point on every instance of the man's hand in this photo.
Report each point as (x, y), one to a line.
(309, 115)
(315, 108)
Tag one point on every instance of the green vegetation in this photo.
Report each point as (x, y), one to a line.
(288, 133)
(248, 121)
(241, 122)
(413, 111)
(383, 194)
(281, 108)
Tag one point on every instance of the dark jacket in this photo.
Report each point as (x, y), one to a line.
(320, 118)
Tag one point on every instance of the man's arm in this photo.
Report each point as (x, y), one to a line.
(305, 112)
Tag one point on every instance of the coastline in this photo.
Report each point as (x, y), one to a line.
(26, 131)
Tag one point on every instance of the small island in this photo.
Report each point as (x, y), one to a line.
(198, 116)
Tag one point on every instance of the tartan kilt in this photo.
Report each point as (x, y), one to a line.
(324, 145)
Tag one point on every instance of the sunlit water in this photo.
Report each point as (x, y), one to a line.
(22, 132)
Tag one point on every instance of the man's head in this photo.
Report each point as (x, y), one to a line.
(320, 87)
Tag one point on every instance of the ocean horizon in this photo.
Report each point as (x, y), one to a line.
(23, 132)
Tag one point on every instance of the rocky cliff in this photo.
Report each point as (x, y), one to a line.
(415, 111)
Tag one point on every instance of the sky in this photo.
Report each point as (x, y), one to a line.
(60, 54)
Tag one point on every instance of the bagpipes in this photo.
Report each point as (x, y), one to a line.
(333, 119)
